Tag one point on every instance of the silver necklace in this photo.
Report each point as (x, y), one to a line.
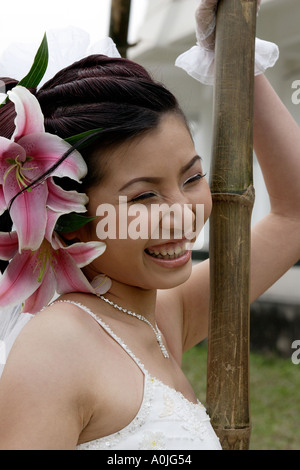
(140, 317)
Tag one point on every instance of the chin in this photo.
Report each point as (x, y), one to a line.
(172, 278)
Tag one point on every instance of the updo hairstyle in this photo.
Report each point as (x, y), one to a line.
(114, 94)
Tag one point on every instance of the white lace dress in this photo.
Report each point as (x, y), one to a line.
(166, 419)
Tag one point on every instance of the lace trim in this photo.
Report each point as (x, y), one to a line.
(191, 417)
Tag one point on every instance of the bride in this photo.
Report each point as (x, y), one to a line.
(100, 367)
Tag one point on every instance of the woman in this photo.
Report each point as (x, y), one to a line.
(86, 373)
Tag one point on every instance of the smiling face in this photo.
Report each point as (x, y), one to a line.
(160, 167)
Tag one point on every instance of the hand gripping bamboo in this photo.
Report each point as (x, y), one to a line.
(233, 196)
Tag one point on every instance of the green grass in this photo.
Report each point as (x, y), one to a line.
(274, 397)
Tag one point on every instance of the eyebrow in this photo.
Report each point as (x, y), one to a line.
(155, 180)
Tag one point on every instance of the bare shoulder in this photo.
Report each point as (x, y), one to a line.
(57, 328)
(50, 348)
(43, 393)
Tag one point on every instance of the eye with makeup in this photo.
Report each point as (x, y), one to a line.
(156, 180)
(149, 194)
(143, 196)
(194, 178)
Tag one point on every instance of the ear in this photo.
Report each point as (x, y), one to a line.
(70, 238)
(82, 234)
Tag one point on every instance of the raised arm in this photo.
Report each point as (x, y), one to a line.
(275, 241)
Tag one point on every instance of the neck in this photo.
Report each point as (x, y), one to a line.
(133, 298)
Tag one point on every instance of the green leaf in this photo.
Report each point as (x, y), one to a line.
(4, 102)
(86, 138)
(38, 69)
(39, 66)
(70, 222)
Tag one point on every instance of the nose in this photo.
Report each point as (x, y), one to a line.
(177, 220)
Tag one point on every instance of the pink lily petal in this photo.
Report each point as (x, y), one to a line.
(9, 151)
(12, 183)
(46, 149)
(85, 253)
(68, 275)
(63, 201)
(50, 235)
(3, 205)
(19, 280)
(43, 295)
(28, 212)
(29, 117)
(35, 276)
(8, 245)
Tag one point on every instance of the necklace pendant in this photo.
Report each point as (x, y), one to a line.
(161, 344)
(164, 351)
(155, 329)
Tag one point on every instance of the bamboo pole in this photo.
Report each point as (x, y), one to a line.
(119, 24)
(233, 197)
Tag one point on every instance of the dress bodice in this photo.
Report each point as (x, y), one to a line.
(165, 420)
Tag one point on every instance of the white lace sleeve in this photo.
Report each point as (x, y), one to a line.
(266, 55)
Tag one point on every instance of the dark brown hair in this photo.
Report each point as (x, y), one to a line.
(114, 94)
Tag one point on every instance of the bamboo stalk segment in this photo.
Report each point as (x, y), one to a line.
(119, 24)
(233, 197)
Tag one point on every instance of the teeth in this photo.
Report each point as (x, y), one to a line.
(177, 250)
(169, 253)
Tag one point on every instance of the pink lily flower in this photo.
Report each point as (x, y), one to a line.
(8, 245)
(33, 277)
(27, 155)
(61, 202)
